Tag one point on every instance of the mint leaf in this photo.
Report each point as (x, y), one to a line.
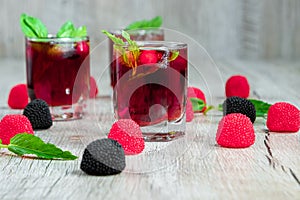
(155, 22)
(24, 143)
(66, 30)
(174, 55)
(115, 40)
(197, 104)
(80, 32)
(33, 27)
(208, 108)
(261, 107)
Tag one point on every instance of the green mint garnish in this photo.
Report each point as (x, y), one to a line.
(68, 30)
(198, 104)
(80, 32)
(174, 55)
(33, 27)
(133, 49)
(24, 143)
(261, 107)
(155, 22)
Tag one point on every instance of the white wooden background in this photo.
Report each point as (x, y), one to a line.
(232, 28)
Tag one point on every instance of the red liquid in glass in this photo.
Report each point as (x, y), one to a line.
(59, 72)
(154, 92)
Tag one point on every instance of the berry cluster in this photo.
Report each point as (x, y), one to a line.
(36, 115)
(236, 130)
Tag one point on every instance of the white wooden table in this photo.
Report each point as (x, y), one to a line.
(193, 168)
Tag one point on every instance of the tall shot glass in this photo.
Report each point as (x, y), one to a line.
(58, 72)
(151, 88)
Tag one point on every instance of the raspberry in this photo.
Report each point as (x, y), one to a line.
(82, 46)
(18, 96)
(38, 113)
(237, 85)
(93, 88)
(194, 92)
(239, 105)
(148, 56)
(103, 157)
(128, 133)
(283, 117)
(235, 131)
(189, 111)
(13, 124)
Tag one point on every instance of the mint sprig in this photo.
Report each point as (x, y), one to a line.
(174, 55)
(155, 22)
(199, 105)
(133, 49)
(24, 143)
(33, 27)
(68, 30)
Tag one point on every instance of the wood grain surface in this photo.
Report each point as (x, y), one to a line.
(193, 167)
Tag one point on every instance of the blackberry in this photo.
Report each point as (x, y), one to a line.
(103, 157)
(38, 113)
(239, 105)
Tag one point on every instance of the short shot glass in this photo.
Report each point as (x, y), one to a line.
(151, 87)
(150, 34)
(58, 72)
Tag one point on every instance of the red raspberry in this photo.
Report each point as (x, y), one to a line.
(237, 85)
(93, 88)
(189, 111)
(82, 46)
(128, 133)
(18, 97)
(283, 117)
(13, 124)
(148, 56)
(194, 92)
(235, 131)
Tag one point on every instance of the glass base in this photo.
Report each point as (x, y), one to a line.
(164, 132)
(162, 137)
(66, 113)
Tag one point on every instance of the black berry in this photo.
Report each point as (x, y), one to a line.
(103, 157)
(239, 105)
(38, 113)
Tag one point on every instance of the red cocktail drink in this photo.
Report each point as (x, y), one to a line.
(151, 88)
(58, 71)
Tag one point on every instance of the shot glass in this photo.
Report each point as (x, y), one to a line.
(151, 88)
(150, 34)
(58, 71)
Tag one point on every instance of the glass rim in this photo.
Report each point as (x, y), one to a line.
(156, 44)
(53, 38)
(138, 30)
